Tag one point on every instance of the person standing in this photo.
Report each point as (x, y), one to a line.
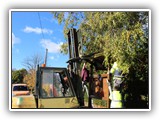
(85, 78)
(117, 75)
(116, 92)
(116, 98)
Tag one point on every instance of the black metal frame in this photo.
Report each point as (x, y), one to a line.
(75, 60)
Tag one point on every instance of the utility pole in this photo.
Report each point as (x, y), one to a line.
(45, 60)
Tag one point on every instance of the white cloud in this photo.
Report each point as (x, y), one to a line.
(52, 20)
(52, 57)
(15, 40)
(61, 43)
(55, 57)
(37, 30)
(51, 46)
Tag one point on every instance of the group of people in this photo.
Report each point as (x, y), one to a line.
(115, 92)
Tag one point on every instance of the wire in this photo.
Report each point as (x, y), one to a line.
(40, 25)
(45, 60)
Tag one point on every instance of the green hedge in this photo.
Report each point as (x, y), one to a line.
(100, 102)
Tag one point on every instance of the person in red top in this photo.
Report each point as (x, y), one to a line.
(84, 73)
(85, 78)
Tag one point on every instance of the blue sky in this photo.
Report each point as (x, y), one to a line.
(27, 38)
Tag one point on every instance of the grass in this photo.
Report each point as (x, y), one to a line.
(96, 101)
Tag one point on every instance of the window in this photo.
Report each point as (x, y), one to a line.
(55, 84)
(20, 88)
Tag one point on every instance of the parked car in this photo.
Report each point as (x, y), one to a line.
(20, 89)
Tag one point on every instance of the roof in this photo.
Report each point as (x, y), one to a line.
(19, 84)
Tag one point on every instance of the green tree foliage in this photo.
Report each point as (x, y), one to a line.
(18, 75)
(121, 36)
(30, 79)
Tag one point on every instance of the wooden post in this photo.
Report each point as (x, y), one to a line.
(90, 87)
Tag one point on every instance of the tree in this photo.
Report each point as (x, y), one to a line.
(18, 75)
(31, 63)
(30, 79)
(121, 36)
